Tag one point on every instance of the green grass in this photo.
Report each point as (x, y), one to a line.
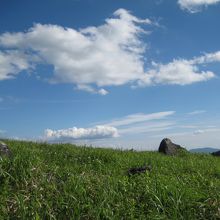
(62, 181)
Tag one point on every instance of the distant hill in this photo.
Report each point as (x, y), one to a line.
(204, 150)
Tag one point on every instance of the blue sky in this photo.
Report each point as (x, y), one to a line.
(110, 73)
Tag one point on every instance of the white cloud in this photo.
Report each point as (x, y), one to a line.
(197, 132)
(98, 132)
(142, 123)
(145, 131)
(206, 58)
(13, 62)
(139, 117)
(131, 124)
(206, 130)
(194, 6)
(94, 57)
(102, 92)
(188, 126)
(197, 112)
(90, 89)
(147, 127)
(110, 54)
(177, 72)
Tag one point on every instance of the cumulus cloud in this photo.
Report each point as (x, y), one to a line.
(98, 132)
(90, 89)
(206, 58)
(110, 54)
(180, 71)
(177, 72)
(13, 62)
(194, 6)
(91, 58)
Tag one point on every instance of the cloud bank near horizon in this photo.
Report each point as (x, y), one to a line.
(141, 131)
(92, 58)
(97, 132)
(128, 124)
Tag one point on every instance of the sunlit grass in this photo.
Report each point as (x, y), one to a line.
(63, 181)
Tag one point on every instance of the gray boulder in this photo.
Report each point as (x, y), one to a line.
(4, 150)
(169, 148)
(217, 153)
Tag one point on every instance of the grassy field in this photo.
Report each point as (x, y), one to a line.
(62, 181)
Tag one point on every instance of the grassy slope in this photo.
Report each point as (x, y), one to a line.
(64, 182)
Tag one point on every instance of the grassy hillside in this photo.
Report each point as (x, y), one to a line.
(63, 181)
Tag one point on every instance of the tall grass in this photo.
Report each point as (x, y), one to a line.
(63, 181)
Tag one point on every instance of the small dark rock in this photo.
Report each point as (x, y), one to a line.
(217, 153)
(139, 170)
(169, 148)
(4, 150)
